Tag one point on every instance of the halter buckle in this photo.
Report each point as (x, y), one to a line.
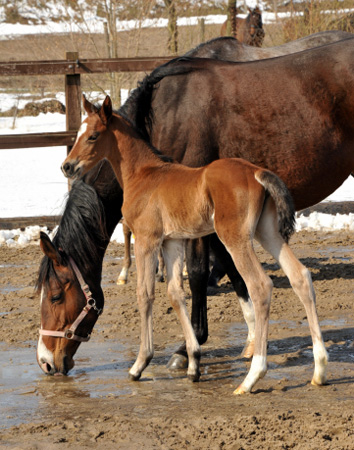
(69, 334)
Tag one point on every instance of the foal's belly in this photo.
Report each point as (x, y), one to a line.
(189, 231)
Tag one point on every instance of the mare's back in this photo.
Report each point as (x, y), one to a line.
(266, 112)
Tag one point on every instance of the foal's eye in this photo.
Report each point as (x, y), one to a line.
(56, 298)
(93, 136)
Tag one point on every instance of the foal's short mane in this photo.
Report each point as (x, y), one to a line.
(81, 233)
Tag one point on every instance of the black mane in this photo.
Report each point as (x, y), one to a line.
(81, 233)
(137, 108)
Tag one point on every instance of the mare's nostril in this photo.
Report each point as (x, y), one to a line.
(46, 367)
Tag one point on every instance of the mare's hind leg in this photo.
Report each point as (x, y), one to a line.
(300, 280)
(197, 257)
(123, 276)
(146, 259)
(173, 251)
(241, 291)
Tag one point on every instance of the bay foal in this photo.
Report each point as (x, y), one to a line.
(165, 203)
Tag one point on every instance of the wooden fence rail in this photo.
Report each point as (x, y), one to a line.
(72, 68)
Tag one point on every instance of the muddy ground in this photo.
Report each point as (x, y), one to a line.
(96, 406)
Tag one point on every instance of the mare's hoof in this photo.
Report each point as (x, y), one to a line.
(134, 377)
(121, 282)
(160, 278)
(177, 362)
(194, 377)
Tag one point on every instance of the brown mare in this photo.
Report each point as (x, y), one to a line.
(249, 30)
(165, 203)
(320, 165)
(231, 49)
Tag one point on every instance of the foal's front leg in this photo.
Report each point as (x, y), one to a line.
(146, 260)
(173, 251)
(197, 257)
(123, 276)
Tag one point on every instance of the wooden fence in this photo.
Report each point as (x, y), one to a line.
(72, 68)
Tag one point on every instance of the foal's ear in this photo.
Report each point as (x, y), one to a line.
(88, 106)
(48, 248)
(105, 112)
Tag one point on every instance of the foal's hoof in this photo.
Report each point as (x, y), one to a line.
(240, 390)
(319, 383)
(121, 282)
(194, 377)
(134, 377)
(248, 351)
(177, 362)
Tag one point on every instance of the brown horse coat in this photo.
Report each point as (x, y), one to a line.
(165, 203)
(292, 115)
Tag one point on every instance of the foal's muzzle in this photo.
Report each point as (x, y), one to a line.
(70, 169)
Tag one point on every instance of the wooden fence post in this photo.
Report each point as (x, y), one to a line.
(72, 98)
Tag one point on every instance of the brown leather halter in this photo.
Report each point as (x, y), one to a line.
(90, 304)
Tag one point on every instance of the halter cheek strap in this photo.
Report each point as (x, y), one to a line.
(90, 304)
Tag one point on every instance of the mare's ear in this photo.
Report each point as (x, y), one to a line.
(249, 9)
(88, 106)
(105, 112)
(48, 248)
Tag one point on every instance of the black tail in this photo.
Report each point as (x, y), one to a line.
(283, 201)
(138, 106)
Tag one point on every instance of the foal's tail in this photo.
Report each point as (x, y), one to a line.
(282, 199)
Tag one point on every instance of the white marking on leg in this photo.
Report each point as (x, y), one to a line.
(257, 371)
(321, 360)
(248, 314)
(123, 276)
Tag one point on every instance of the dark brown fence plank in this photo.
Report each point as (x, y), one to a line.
(81, 66)
(12, 223)
(11, 141)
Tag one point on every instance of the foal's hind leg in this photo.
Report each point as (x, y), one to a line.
(300, 280)
(146, 259)
(173, 251)
(123, 276)
(259, 286)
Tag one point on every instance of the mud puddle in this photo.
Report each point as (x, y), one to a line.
(101, 373)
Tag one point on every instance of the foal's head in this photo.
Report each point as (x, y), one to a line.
(93, 139)
(62, 301)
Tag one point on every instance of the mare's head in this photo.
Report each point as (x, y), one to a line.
(69, 280)
(92, 142)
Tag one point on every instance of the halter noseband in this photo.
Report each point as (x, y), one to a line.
(90, 304)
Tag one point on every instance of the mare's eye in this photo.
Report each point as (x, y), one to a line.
(93, 136)
(56, 297)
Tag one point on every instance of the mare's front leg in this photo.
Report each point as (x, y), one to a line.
(146, 259)
(123, 276)
(197, 257)
(224, 258)
(173, 251)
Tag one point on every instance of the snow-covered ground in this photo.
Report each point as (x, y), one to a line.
(31, 183)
